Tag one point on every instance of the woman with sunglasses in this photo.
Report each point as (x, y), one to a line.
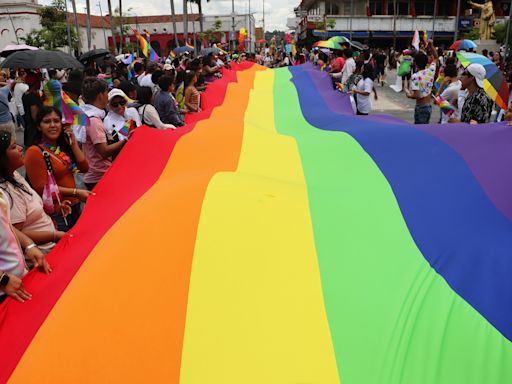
(119, 114)
(26, 206)
(66, 159)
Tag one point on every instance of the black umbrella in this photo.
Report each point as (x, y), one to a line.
(206, 51)
(41, 59)
(94, 54)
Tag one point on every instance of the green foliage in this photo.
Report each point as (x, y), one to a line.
(320, 25)
(500, 32)
(279, 35)
(472, 34)
(330, 23)
(53, 33)
(211, 34)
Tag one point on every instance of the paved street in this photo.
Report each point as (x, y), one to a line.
(393, 103)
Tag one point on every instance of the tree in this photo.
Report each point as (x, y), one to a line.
(53, 33)
(211, 34)
(472, 34)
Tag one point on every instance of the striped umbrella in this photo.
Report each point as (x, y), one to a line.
(327, 44)
(495, 84)
(340, 39)
(463, 44)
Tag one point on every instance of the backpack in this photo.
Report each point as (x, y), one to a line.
(404, 69)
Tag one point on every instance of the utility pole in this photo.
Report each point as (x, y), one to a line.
(13, 27)
(249, 32)
(109, 3)
(263, 18)
(77, 26)
(185, 21)
(434, 20)
(456, 22)
(67, 27)
(394, 24)
(508, 32)
(193, 29)
(233, 35)
(121, 33)
(103, 26)
(351, 17)
(88, 20)
(173, 13)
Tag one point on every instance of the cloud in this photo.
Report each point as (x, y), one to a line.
(276, 11)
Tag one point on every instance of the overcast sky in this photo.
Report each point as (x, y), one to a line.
(276, 11)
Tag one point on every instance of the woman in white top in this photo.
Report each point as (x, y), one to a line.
(363, 90)
(147, 112)
(119, 114)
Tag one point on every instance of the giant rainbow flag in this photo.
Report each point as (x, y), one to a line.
(278, 238)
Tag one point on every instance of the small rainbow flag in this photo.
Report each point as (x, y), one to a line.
(127, 127)
(153, 56)
(322, 68)
(445, 105)
(342, 88)
(426, 37)
(189, 45)
(172, 55)
(144, 45)
(79, 117)
(71, 112)
(440, 79)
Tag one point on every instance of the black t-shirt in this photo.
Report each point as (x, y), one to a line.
(380, 59)
(29, 99)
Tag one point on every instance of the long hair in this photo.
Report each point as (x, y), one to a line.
(5, 176)
(62, 140)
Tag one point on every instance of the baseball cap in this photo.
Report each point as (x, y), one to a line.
(117, 92)
(168, 67)
(478, 72)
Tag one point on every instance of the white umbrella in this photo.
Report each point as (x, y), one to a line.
(11, 48)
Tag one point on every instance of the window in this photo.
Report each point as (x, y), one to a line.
(332, 8)
(346, 7)
(402, 7)
(445, 8)
(424, 8)
(376, 7)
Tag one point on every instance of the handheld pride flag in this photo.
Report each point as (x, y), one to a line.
(445, 105)
(144, 45)
(127, 127)
(416, 40)
(342, 88)
(426, 36)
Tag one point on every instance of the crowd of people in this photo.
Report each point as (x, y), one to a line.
(427, 75)
(46, 179)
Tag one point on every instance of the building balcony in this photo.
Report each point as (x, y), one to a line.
(386, 23)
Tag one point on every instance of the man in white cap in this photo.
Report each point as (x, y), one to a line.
(478, 106)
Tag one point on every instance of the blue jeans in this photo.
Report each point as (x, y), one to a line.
(422, 114)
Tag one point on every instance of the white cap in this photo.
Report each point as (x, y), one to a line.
(117, 92)
(168, 67)
(478, 72)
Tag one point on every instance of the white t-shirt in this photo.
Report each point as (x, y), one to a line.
(146, 82)
(348, 69)
(364, 103)
(461, 99)
(114, 122)
(451, 94)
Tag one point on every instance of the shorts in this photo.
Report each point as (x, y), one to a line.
(407, 77)
(380, 70)
(422, 114)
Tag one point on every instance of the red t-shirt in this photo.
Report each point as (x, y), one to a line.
(338, 64)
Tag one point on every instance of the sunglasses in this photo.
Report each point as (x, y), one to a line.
(466, 74)
(121, 103)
